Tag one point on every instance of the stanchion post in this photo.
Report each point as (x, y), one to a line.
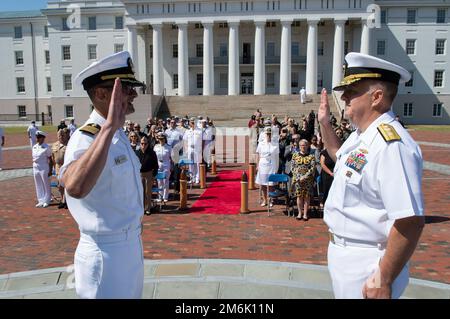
(183, 190)
(202, 176)
(251, 174)
(213, 165)
(244, 194)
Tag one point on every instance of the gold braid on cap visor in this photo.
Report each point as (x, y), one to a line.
(120, 76)
(352, 78)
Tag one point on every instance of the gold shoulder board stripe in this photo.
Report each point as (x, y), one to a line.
(91, 128)
(388, 132)
(120, 76)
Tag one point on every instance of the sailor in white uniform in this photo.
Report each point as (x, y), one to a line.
(164, 155)
(104, 192)
(374, 210)
(192, 140)
(268, 161)
(31, 130)
(42, 169)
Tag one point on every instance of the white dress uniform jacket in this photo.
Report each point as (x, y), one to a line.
(275, 135)
(163, 153)
(192, 140)
(174, 140)
(375, 183)
(109, 258)
(41, 154)
(268, 161)
(208, 143)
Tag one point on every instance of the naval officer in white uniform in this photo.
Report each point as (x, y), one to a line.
(42, 169)
(164, 154)
(192, 141)
(104, 192)
(374, 210)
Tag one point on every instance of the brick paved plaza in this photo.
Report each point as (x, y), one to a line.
(34, 238)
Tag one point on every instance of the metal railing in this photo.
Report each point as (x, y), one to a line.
(44, 118)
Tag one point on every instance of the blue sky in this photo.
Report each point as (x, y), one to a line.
(22, 5)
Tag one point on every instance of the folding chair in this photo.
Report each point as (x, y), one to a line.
(282, 191)
(54, 189)
(159, 176)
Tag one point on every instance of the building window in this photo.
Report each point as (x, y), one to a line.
(437, 110)
(92, 51)
(381, 47)
(223, 50)
(175, 50)
(295, 49)
(320, 80)
(223, 25)
(271, 24)
(345, 47)
(200, 81)
(92, 23)
(271, 80)
(441, 15)
(49, 84)
(407, 110)
(151, 51)
(45, 32)
(47, 57)
(223, 80)
(410, 46)
(118, 48)
(18, 33)
(22, 110)
(438, 78)
(19, 57)
(118, 25)
(411, 16)
(383, 16)
(294, 79)
(175, 81)
(320, 46)
(66, 52)
(440, 46)
(68, 110)
(65, 27)
(295, 24)
(67, 82)
(271, 49)
(410, 83)
(199, 50)
(198, 26)
(20, 85)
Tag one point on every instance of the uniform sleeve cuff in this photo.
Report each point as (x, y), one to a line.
(404, 214)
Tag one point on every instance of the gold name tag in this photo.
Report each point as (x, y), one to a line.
(120, 159)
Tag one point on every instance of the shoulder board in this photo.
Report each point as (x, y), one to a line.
(388, 132)
(91, 128)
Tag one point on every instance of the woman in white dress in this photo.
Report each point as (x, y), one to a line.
(42, 169)
(163, 152)
(267, 153)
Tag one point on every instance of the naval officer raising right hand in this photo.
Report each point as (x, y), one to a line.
(104, 192)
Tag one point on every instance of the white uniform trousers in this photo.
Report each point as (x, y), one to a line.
(110, 266)
(164, 183)
(350, 267)
(42, 184)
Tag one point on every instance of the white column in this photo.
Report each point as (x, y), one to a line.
(133, 47)
(365, 37)
(285, 58)
(183, 66)
(338, 51)
(311, 58)
(208, 59)
(141, 71)
(260, 59)
(233, 58)
(158, 84)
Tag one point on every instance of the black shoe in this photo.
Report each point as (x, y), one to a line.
(61, 205)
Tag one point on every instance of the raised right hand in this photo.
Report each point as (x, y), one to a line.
(323, 115)
(117, 106)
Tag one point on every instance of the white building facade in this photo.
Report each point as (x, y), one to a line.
(224, 48)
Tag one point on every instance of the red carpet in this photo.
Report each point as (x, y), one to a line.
(223, 196)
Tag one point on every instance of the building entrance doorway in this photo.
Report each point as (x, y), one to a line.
(247, 83)
(247, 53)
